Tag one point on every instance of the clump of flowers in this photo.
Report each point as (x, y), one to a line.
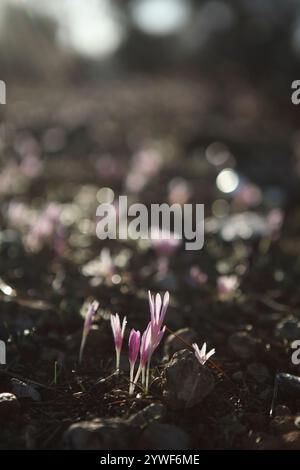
(145, 345)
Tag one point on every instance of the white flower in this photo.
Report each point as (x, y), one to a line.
(202, 356)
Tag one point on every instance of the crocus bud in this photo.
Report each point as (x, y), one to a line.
(134, 346)
(118, 332)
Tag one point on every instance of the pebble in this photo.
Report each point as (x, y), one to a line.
(288, 329)
(9, 405)
(282, 410)
(158, 436)
(188, 383)
(112, 433)
(153, 412)
(24, 390)
(98, 434)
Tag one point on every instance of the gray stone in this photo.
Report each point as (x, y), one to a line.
(9, 405)
(282, 410)
(158, 436)
(153, 412)
(112, 433)
(188, 382)
(98, 434)
(288, 329)
(282, 424)
(24, 390)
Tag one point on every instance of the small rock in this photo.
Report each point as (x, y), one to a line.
(159, 436)
(173, 344)
(282, 410)
(242, 345)
(23, 390)
(112, 433)
(153, 412)
(188, 383)
(287, 385)
(9, 405)
(282, 424)
(98, 434)
(258, 372)
(288, 329)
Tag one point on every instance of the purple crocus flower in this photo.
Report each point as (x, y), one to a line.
(118, 332)
(145, 346)
(134, 347)
(88, 321)
(145, 351)
(158, 308)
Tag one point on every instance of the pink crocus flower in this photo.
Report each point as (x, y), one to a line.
(145, 351)
(202, 355)
(134, 347)
(158, 309)
(88, 321)
(118, 332)
(145, 346)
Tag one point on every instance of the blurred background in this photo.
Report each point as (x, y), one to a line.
(162, 100)
(195, 71)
